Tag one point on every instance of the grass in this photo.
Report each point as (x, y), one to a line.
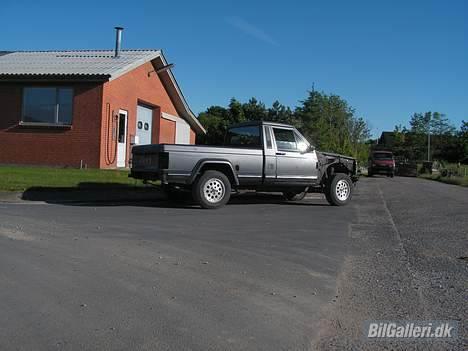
(15, 178)
(449, 173)
(456, 180)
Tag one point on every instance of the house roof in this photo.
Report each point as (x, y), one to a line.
(98, 65)
(75, 63)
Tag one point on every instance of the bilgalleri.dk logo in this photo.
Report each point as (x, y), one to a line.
(411, 329)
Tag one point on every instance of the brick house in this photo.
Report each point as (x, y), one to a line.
(77, 108)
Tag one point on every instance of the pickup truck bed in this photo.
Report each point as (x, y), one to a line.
(184, 159)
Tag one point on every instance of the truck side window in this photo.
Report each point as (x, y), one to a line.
(285, 140)
(248, 136)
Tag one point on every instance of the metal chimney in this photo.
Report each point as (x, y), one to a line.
(118, 41)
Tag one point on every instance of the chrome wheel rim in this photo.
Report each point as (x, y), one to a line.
(342, 190)
(214, 190)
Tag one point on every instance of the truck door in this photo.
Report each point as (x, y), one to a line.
(293, 165)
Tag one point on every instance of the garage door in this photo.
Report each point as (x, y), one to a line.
(144, 124)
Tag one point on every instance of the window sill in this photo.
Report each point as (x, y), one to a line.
(44, 125)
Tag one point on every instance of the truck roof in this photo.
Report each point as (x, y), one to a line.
(262, 123)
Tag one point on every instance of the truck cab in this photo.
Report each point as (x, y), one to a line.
(288, 157)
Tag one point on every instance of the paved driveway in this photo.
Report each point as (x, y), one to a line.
(258, 274)
(253, 275)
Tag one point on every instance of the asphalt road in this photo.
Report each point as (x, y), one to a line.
(259, 274)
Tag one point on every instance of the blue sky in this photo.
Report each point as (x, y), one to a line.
(388, 59)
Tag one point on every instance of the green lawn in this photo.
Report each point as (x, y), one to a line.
(454, 174)
(463, 181)
(15, 178)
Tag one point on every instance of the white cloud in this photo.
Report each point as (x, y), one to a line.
(251, 30)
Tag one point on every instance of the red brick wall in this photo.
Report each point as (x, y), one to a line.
(92, 135)
(124, 93)
(51, 146)
(193, 137)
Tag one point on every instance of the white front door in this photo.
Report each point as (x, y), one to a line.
(144, 124)
(122, 139)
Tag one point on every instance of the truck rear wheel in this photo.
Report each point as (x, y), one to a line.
(339, 189)
(212, 190)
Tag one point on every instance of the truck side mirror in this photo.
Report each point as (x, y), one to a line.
(302, 147)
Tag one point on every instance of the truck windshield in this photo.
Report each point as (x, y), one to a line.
(248, 136)
(383, 156)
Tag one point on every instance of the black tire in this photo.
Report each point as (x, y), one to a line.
(215, 195)
(391, 175)
(295, 196)
(339, 189)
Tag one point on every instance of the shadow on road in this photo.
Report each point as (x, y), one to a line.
(114, 194)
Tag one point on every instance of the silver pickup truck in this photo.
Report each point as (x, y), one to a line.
(262, 156)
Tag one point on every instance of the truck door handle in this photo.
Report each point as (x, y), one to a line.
(281, 153)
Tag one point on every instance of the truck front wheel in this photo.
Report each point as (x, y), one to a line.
(339, 189)
(212, 190)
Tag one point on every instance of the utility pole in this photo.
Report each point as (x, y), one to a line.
(429, 138)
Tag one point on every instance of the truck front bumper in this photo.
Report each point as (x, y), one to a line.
(382, 169)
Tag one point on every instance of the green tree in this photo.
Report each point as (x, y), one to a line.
(413, 143)
(441, 133)
(255, 110)
(463, 137)
(326, 120)
(236, 112)
(419, 122)
(464, 128)
(215, 120)
(330, 123)
(281, 114)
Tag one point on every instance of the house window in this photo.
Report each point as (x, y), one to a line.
(47, 105)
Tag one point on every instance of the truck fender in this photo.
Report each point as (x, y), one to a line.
(225, 164)
(334, 167)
